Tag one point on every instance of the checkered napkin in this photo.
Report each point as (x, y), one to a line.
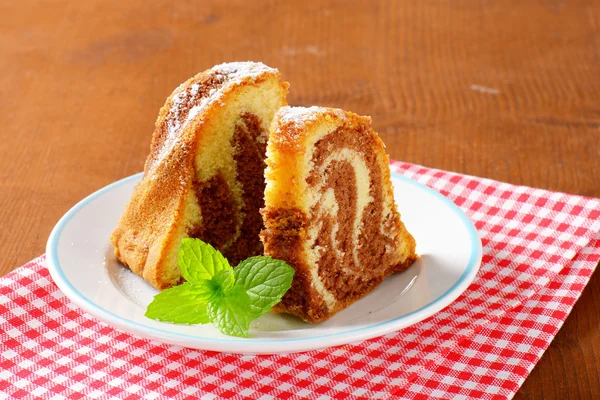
(540, 249)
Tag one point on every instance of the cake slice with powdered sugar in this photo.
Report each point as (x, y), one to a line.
(204, 176)
(329, 210)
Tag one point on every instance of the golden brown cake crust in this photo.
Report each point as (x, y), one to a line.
(165, 204)
(330, 211)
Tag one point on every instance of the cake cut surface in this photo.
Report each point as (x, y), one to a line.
(329, 210)
(204, 176)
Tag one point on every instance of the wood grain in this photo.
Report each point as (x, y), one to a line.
(508, 90)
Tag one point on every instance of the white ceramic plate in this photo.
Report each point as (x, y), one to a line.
(81, 262)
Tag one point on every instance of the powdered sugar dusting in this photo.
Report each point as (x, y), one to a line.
(213, 95)
(299, 116)
(238, 70)
(228, 74)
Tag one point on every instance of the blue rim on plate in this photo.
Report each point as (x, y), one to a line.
(80, 299)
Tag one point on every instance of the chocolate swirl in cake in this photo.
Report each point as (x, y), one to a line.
(347, 205)
(233, 224)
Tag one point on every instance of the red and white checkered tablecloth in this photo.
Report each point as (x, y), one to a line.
(540, 249)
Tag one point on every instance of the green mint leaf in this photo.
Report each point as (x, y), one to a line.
(230, 313)
(265, 280)
(183, 304)
(201, 290)
(199, 260)
(223, 281)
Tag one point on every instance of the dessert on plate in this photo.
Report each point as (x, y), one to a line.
(324, 204)
(204, 175)
(329, 210)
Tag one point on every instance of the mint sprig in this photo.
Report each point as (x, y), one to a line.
(199, 261)
(262, 279)
(215, 292)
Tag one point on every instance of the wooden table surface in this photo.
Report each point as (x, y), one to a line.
(508, 90)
